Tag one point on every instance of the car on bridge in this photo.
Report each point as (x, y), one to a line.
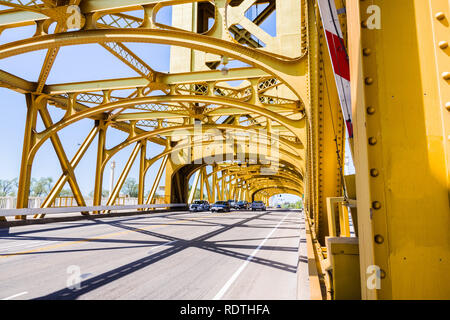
(199, 205)
(233, 204)
(258, 205)
(242, 205)
(221, 206)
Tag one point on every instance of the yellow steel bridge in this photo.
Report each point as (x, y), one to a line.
(280, 130)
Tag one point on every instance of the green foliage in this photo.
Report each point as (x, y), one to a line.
(66, 193)
(105, 193)
(295, 205)
(8, 187)
(130, 188)
(41, 187)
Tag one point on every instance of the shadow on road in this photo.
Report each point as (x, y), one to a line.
(175, 245)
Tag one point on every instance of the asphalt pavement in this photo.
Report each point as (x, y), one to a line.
(176, 255)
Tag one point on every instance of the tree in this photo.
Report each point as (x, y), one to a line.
(41, 187)
(8, 187)
(130, 188)
(295, 205)
(105, 193)
(66, 193)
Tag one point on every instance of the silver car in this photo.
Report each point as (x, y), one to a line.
(199, 205)
(258, 205)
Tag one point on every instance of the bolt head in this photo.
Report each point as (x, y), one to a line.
(440, 16)
(369, 80)
(374, 173)
(379, 239)
(443, 45)
(376, 205)
(373, 141)
(370, 110)
(367, 51)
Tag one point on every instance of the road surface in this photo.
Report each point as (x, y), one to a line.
(176, 255)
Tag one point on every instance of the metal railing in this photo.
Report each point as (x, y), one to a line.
(36, 202)
(46, 211)
(346, 226)
(8, 205)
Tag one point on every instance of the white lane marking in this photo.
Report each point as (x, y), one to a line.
(15, 296)
(164, 244)
(233, 278)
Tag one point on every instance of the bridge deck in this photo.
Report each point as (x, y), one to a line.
(237, 255)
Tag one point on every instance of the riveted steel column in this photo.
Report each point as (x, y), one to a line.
(101, 150)
(401, 147)
(142, 165)
(27, 162)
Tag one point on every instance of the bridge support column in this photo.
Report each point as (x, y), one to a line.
(101, 150)
(325, 128)
(399, 93)
(142, 172)
(27, 162)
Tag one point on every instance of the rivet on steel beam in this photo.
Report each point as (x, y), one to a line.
(382, 274)
(376, 205)
(373, 141)
(379, 239)
(364, 24)
(440, 16)
(374, 173)
(447, 106)
(443, 45)
(367, 51)
(369, 80)
(446, 75)
(370, 110)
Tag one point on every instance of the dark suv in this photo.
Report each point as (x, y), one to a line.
(242, 205)
(223, 206)
(233, 204)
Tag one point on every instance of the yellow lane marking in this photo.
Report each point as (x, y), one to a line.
(105, 236)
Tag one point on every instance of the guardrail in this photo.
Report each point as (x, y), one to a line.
(343, 216)
(37, 211)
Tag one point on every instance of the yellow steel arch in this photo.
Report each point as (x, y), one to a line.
(401, 155)
(291, 71)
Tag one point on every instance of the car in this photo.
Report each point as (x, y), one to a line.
(279, 206)
(221, 206)
(199, 205)
(258, 205)
(233, 204)
(242, 205)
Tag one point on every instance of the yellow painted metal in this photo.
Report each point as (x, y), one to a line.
(142, 171)
(400, 101)
(401, 148)
(343, 259)
(126, 170)
(29, 140)
(194, 186)
(98, 187)
(157, 179)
